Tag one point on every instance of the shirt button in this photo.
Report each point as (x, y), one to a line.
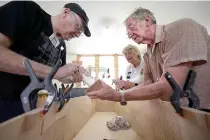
(157, 79)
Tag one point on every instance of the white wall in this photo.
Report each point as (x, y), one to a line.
(70, 57)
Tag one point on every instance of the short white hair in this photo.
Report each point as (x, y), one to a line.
(132, 48)
(140, 14)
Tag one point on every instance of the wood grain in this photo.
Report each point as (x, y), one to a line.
(157, 120)
(151, 120)
(96, 129)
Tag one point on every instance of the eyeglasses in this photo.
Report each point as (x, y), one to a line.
(129, 52)
(79, 28)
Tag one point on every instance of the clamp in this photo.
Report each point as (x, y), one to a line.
(36, 85)
(59, 98)
(187, 92)
(67, 92)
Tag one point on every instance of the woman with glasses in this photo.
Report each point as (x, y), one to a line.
(134, 71)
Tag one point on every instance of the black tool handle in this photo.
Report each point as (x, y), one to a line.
(175, 97)
(30, 71)
(67, 89)
(194, 101)
(56, 87)
(62, 86)
(54, 70)
(189, 80)
(52, 92)
(172, 82)
(61, 100)
(67, 94)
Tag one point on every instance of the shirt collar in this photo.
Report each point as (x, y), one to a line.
(159, 35)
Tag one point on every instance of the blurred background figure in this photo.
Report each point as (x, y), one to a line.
(134, 71)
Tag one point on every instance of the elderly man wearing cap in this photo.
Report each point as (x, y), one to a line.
(27, 31)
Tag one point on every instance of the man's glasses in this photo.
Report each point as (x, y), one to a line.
(79, 28)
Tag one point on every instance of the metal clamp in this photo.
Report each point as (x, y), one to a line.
(67, 92)
(187, 92)
(59, 99)
(36, 85)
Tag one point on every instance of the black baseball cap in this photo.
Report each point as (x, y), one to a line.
(81, 13)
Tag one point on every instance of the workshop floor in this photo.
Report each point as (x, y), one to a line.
(96, 129)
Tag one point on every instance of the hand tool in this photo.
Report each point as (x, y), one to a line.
(186, 92)
(59, 96)
(66, 92)
(59, 99)
(36, 85)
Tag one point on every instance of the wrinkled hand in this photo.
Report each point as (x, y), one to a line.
(71, 73)
(121, 84)
(106, 93)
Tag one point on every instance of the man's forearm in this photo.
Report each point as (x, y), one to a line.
(14, 63)
(145, 92)
(140, 85)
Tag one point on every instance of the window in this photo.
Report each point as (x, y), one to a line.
(106, 69)
(122, 64)
(89, 63)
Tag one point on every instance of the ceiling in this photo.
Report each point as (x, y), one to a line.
(106, 21)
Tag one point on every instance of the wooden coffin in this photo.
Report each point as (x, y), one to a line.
(85, 119)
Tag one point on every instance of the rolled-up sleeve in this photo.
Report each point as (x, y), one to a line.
(187, 44)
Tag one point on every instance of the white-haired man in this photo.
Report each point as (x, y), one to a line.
(175, 48)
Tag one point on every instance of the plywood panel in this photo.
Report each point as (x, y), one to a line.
(104, 106)
(143, 117)
(181, 127)
(169, 122)
(152, 120)
(79, 112)
(52, 126)
(196, 116)
(96, 129)
(11, 129)
(157, 120)
(31, 126)
(59, 130)
(52, 116)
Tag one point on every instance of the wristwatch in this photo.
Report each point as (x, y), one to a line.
(122, 98)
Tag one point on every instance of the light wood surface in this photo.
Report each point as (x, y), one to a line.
(81, 117)
(54, 126)
(157, 120)
(96, 129)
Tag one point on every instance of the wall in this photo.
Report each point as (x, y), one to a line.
(71, 57)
